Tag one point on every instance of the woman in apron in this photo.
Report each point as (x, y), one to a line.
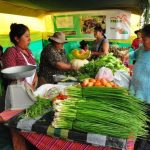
(20, 54)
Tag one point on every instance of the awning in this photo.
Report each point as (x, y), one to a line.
(42, 7)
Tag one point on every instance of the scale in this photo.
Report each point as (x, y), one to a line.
(19, 94)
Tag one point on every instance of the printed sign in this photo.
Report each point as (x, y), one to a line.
(118, 25)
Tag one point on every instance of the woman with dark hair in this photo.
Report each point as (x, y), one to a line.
(84, 45)
(53, 59)
(20, 54)
(140, 83)
(101, 44)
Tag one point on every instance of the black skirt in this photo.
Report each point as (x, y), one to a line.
(144, 144)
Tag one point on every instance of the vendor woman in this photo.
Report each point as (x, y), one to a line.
(101, 45)
(53, 59)
(19, 54)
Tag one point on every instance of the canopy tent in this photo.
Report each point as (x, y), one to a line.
(38, 7)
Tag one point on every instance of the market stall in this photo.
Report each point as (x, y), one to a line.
(94, 110)
(43, 127)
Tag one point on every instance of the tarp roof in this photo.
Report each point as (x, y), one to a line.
(40, 7)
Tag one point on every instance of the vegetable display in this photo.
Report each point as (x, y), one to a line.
(51, 93)
(91, 69)
(98, 83)
(44, 103)
(101, 110)
(41, 106)
(81, 54)
(118, 51)
(80, 58)
(78, 63)
(108, 61)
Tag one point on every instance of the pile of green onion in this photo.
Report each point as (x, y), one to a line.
(107, 111)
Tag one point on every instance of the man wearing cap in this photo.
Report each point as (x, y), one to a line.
(138, 41)
(53, 59)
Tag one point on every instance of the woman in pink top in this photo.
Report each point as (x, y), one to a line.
(20, 54)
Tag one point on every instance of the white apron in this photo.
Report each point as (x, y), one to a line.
(29, 79)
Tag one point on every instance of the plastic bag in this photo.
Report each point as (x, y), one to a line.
(122, 78)
(42, 90)
(105, 73)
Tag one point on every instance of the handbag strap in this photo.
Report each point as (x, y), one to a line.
(100, 45)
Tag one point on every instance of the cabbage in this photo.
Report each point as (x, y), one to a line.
(77, 63)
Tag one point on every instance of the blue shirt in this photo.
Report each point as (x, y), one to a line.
(140, 83)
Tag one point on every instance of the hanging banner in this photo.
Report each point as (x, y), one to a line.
(115, 23)
(118, 25)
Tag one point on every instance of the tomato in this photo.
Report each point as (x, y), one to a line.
(90, 84)
(112, 84)
(84, 85)
(104, 82)
(92, 80)
(98, 83)
(85, 82)
(61, 97)
(116, 86)
(98, 80)
(108, 85)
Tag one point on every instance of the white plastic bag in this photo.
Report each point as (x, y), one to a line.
(122, 78)
(44, 88)
(105, 73)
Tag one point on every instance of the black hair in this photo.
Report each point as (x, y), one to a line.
(146, 30)
(137, 31)
(1, 49)
(100, 29)
(83, 44)
(17, 30)
(50, 40)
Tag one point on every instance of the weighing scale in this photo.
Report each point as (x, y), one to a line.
(19, 94)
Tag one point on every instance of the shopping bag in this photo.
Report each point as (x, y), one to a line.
(105, 73)
(122, 78)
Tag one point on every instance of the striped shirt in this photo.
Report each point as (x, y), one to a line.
(13, 57)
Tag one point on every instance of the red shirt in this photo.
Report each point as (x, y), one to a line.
(135, 43)
(13, 57)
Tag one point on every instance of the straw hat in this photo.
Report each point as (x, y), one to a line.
(58, 37)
